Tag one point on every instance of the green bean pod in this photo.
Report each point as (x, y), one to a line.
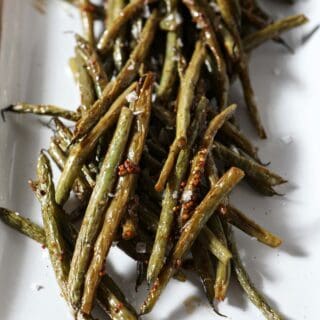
(251, 228)
(223, 270)
(80, 151)
(204, 268)
(189, 197)
(109, 296)
(253, 294)
(93, 63)
(84, 82)
(110, 34)
(184, 102)
(81, 187)
(272, 30)
(43, 110)
(190, 232)
(87, 20)
(124, 191)
(252, 169)
(171, 197)
(200, 14)
(97, 205)
(23, 225)
(123, 79)
(44, 191)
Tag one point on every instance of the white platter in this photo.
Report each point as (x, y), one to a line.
(34, 52)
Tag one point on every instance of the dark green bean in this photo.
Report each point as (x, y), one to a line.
(87, 20)
(255, 297)
(44, 191)
(190, 232)
(189, 197)
(81, 187)
(109, 296)
(93, 64)
(251, 228)
(97, 205)
(129, 11)
(123, 79)
(204, 268)
(84, 82)
(252, 169)
(124, 191)
(185, 99)
(80, 151)
(272, 30)
(171, 197)
(42, 109)
(23, 225)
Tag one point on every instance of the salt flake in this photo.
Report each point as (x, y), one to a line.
(146, 11)
(45, 254)
(179, 43)
(131, 66)
(136, 113)
(141, 247)
(136, 30)
(287, 139)
(132, 96)
(153, 97)
(186, 195)
(175, 195)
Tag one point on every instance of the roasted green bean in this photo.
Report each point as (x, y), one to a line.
(109, 295)
(255, 297)
(204, 268)
(252, 169)
(23, 225)
(87, 20)
(199, 14)
(185, 99)
(190, 232)
(81, 187)
(110, 34)
(44, 190)
(80, 151)
(171, 197)
(84, 82)
(223, 269)
(124, 189)
(242, 222)
(43, 109)
(97, 205)
(235, 51)
(233, 134)
(93, 63)
(257, 38)
(171, 23)
(123, 79)
(189, 198)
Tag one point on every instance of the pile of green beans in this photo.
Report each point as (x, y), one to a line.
(154, 152)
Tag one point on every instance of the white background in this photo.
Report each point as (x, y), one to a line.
(33, 67)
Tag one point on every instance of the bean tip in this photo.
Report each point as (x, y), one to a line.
(4, 110)
(262, 134)
(159, 187)
(215, 310)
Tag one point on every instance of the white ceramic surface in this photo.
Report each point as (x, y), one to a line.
(34, 52)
